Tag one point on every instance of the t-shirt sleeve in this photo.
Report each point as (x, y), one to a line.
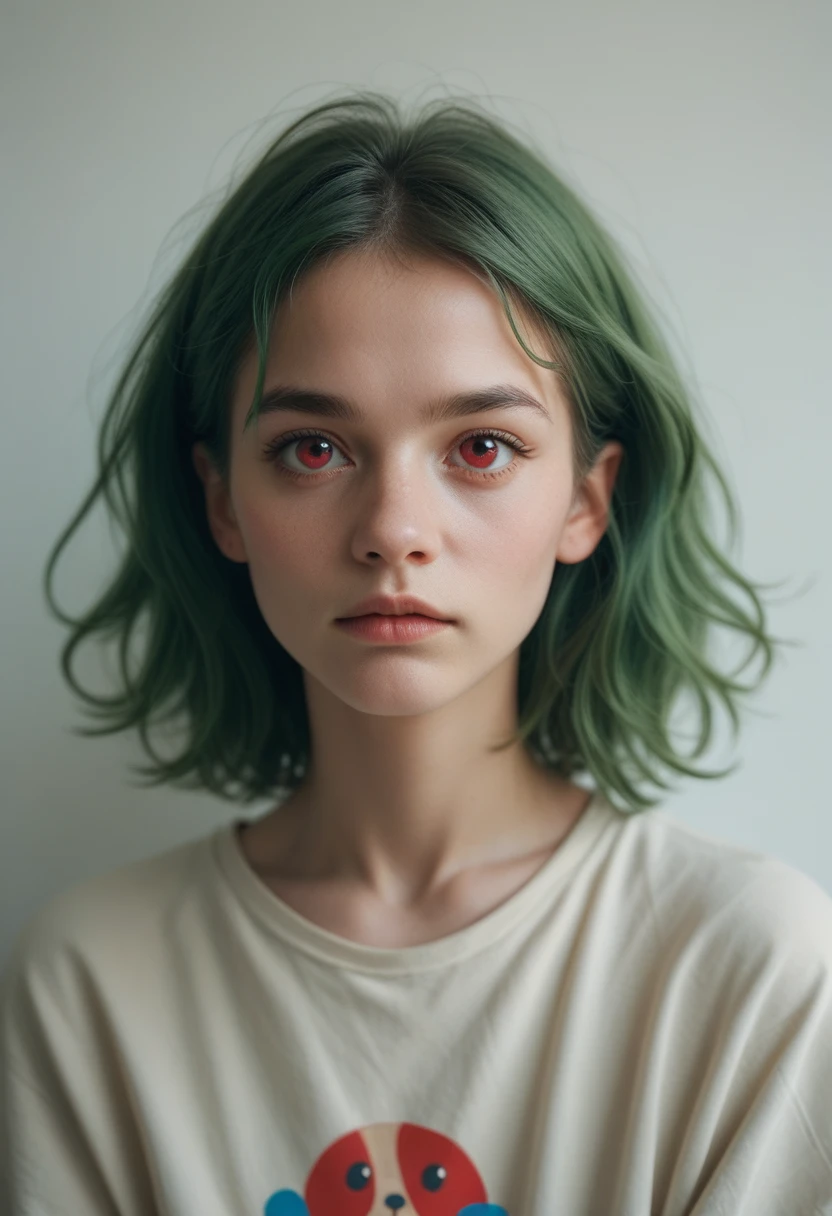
(758, 1140)
(68, 1143)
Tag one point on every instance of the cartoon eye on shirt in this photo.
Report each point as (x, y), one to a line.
(387, 1169)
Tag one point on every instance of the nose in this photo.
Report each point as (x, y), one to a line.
(396, 528)
(395, 1202)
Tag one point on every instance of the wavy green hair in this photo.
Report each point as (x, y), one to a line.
(622, 634)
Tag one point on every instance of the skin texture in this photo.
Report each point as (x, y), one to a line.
(406, 828)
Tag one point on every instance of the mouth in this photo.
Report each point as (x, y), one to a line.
(391, 628)
(391, 616)
(389, 606)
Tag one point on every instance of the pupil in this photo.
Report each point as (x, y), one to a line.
(433, 1176)
(358, 1175)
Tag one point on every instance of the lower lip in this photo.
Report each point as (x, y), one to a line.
(376, 628)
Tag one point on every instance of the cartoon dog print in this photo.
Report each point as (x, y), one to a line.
(389, 1168)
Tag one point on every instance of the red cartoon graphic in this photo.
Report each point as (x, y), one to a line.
(389, 1168)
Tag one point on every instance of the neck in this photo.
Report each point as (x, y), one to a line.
(401, 804)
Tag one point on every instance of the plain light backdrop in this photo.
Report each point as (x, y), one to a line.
(699, 134)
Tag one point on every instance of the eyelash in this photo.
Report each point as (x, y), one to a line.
(273, 449)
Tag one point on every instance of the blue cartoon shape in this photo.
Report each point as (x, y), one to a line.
(482, 1209)
(285, 1203)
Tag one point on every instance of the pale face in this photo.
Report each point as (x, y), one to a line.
(397, 504)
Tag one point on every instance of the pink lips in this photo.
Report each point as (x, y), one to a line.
(395, 605)
(376, 627)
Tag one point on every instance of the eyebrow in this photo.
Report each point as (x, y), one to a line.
(457, 405)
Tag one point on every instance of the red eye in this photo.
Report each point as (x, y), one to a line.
(482, 450)
(314, 451)
(440, 1178)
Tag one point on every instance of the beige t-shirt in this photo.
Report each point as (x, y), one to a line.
(643, 1029)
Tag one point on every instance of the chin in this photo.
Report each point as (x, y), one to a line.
(392, 687)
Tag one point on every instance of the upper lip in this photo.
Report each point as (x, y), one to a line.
(394, 605)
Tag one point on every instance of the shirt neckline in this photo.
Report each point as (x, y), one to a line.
(280, 919)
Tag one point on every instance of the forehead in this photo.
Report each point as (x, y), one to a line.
(381, 329)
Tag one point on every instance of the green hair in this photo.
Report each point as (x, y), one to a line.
(622, 634)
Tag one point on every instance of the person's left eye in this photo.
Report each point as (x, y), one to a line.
(480, 450)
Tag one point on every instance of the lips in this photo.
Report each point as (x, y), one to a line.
(389, 629)
(388, 605)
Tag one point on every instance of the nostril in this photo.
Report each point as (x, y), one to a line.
(395, 1202)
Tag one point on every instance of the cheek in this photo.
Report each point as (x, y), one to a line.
(520, 551)
(509, 572)
(289, 561)
(284, 546)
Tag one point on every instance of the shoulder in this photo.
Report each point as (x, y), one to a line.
(741, 904)
(100, 921)
(738, 1002)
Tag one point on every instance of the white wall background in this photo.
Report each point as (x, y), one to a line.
(698, 132)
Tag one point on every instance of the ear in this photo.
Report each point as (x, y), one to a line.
(221, 518)
(588, 515)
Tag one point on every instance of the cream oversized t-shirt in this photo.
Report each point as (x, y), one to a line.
(643, 1029)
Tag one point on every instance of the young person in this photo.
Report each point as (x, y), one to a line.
(416, 519)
